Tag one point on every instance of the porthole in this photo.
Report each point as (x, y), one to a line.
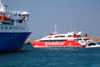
(15, 34)
(6, 34)
(10, 34)
(2, 35)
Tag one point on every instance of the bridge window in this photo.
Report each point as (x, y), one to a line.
(19, 14)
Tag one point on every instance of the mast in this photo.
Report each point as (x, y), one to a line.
(55, 29)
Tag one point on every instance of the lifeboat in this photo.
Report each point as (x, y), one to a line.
(5, 20)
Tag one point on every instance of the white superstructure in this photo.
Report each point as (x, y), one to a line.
(16, 21)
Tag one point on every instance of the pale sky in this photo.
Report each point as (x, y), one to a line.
(66, 14)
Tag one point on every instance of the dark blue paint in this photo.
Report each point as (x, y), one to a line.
(11, 41)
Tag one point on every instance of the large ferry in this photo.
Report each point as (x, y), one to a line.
(72, 39)
(13, 28)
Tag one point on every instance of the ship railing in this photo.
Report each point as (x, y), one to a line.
(14, 11)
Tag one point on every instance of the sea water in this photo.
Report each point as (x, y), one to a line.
(51, 57)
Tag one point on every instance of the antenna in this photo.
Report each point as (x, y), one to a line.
(55, 28)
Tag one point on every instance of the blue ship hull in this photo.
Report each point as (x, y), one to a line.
(12, 41)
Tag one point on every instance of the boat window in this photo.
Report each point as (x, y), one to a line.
(14, 28)
(19, 14)
(52, 40)
(56, 36)
(17, 27)
(15, 14)
(77, 39)
(59, 36)
(62, 36)
(20, 21)
(25, 15)
(69, 35)
(1, 27)
(10, 27)
(4, 14)
(85, 39)
(6, 27)
(22, 28)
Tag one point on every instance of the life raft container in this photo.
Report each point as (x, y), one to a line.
(5, 20)
(2, 17)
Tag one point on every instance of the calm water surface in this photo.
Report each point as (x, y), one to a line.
(51, 57)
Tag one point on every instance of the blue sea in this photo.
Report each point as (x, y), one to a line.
(51, 57)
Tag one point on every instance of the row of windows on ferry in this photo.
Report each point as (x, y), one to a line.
(62, 36)
(16, 28)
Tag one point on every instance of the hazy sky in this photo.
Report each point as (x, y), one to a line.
(66, 14)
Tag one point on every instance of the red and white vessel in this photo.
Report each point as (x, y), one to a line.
(72, 39)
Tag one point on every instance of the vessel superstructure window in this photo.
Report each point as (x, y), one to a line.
(26, 15)
(6, 27)
(17, 27)
(62, 36)
(77, 39)
(22, 28)
(56, 36)
(4, 14)
(10, 27)
(14, 28)
(20, 21)
(19, 14)
(1, 27)
(85, 39)
(69, 35)
(52, 40)
(15, 14)
(59, 36)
